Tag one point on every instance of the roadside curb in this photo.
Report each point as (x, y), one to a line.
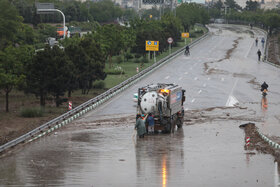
(91, 104)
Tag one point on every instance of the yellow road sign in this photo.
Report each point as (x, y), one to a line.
(185, 35)
(152, 45)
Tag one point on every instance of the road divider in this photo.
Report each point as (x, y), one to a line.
(91, 104)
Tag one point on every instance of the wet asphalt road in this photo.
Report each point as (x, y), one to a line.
(221, 71)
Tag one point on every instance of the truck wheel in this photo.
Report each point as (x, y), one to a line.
(173, 125)
(179, 123)
(168, 127)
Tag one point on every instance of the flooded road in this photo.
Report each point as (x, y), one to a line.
(205, 154)
(222, 78)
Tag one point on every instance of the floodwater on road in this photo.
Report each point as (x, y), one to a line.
(206, 154)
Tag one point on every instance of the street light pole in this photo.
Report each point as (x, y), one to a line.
(55, 10)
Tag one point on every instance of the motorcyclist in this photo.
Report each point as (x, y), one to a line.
(187, 51)
(264, 86)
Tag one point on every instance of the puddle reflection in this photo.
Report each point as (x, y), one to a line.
(157, 154)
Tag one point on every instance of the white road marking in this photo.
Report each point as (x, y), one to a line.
(199, 91)
(186, 73)
(167, 77)
(231, 101)
(208, 78)
(222, 79)
(180, 78)
(195, 78)
(193, 100)
(246, 55)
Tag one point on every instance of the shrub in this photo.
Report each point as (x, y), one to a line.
(136, 60)
(199, 31)
(118, 59)
(137, 55)
(192, 34)
(31, 112)
(99, 85)
(128, 56)
(145, 60)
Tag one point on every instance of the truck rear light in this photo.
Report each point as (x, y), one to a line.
(164, 91)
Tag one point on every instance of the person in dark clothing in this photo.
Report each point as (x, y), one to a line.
(263, 41)
(257, 41)
(151, 124)
(264, 86)
(259, 54)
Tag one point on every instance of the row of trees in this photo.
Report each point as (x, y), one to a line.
(54, 72)
(251, 14)
(102, 11)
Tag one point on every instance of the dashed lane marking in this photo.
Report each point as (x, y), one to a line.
(195, 78)
(199, 91)
(167, 77)
(180, 78)
(193, 100)
(186, 73)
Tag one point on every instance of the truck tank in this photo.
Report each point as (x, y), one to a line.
(165, 103)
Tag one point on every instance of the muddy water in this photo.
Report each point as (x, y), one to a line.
(206, 154)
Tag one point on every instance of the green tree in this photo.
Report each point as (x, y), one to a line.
(104, 11)
(89, 61)
(110, 38)
(252, 5)
(232, 5)
(48, 73)
(10, 22)
(272, 21)
(190, 13)
(218, 5)
(12, 62)
(147, 30)
(96, 65)
(172, 27)
(128, 36)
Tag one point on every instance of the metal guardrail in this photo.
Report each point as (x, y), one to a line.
(92, 103)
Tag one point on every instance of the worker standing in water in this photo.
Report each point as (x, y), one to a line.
(151, 123)
(140, 126)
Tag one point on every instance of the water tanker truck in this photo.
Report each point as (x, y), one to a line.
(165, 103)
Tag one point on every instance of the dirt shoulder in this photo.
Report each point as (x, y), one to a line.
(273, 49)
(12, 125)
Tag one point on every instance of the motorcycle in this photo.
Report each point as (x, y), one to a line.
(187, 53)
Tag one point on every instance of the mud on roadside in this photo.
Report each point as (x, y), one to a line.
(257, 143)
